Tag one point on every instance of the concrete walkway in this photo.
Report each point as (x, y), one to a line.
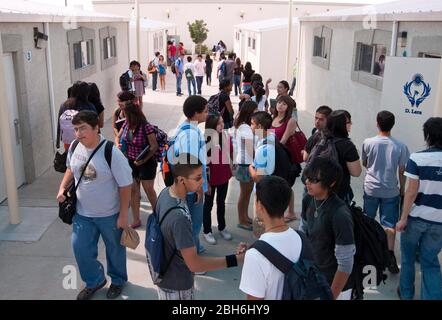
(36, 269)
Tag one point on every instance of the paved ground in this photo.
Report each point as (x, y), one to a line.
(36, 269)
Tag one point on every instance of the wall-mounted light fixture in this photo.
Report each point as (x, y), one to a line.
(40, 39)
(241, 14)
(168, 13)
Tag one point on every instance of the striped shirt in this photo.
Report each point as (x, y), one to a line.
(136, 140)
(426, 166)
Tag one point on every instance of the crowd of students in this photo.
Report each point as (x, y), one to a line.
(247, 149)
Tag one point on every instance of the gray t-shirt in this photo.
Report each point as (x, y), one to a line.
(230, 67)
(384, 155)
(177, 234)
(98, 195)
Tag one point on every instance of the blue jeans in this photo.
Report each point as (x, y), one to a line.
(154, 80)
(388, 209)
(237, 82)
(179, 77)
(199, 83)
(196, 212)
(85, 234)
(190, 84)
(426, 238)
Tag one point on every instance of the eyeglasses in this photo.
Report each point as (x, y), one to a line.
(312, 180)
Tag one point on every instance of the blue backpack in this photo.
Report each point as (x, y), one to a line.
(302, 280)
(154, 245)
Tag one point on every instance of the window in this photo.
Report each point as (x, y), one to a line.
(155, 42)
(83, 54)
(429, 55)
(322, 46)
(161, 44)
(109, 47)
(318, 47)
(237, 35)
(250, 42)
(371, 58)
(371, 47)
(253, 44)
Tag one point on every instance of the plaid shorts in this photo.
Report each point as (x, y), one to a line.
(168, 294)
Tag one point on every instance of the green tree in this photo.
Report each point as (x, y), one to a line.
(198, 32)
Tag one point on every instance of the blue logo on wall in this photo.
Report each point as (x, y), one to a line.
(417, 90)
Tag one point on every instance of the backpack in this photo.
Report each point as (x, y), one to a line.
(66, 127)
(154, 245)
(371, 250)
(325, 148)
(174, 66)
(302, 279)
(125, 82)
(189, 74)
(107, 151)
(284, 167)
(223, 69)
(213, 104)
(162, 140)
(166, 166)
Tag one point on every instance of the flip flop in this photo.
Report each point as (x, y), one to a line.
(241, 226)
(135, 225)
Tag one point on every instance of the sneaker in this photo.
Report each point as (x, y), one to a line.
(209, 238)
(226, 234)
(393, 268)
(87, 293)
(114, 291)
(201, 249)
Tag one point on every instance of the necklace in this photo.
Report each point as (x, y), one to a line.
(281, 225)
(317, 208)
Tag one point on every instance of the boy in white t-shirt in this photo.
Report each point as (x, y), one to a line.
(260, 279)
(189, 73)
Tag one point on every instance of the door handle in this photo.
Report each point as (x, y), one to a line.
(17, 131)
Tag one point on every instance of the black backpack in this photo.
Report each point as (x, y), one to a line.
(125, 82)
(371, 250)
(302, 280)
(325, 147)
(284, 167)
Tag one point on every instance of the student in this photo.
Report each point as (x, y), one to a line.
(139, 79)
(247, 80)
(219, 156)
(328, 224)
(282, 89)
(385, 158)
(209, 67)
(260, 95)
(118, 117)
(137, 134)
(95, 99)
(284, 126)
(244, 146)
(225, 88)
(189, 71)
(421, 219)
(237, 75)
(162, 69)
(179, 242)
(179, 67)
(199, 67)
(106, 217)
(154, 66)
(348, 157)
(189, 139)
(260, 279)
(320, 125)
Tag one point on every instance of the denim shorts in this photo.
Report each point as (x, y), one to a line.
(388, 209)
(242, 174)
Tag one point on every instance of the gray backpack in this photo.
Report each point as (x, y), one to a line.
(324, 148)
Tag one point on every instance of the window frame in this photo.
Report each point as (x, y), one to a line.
(104, 34)
(325, 33)
(75, 37)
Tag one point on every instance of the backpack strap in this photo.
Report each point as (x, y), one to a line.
(108, 153)
(274, 256)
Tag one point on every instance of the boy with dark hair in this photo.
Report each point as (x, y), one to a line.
(189, 71)
(328, 224)
(179, 245)
(385, 158)
(189, 139)
(110, 182)
(260, 279)
(421, 226)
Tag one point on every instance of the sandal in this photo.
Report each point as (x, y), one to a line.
(135, 225)
(244, 227)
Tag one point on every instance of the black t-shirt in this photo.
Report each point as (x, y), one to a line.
(332, 226)
(248, 75)
(99, 107)
(209, 65)
(223, 98)
(237, 70)
(347, 152)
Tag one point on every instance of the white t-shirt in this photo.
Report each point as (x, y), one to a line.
(189, 65)
(199, 68)
(98, 193)
(243, 136)
(259, 277)
(262, 102)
